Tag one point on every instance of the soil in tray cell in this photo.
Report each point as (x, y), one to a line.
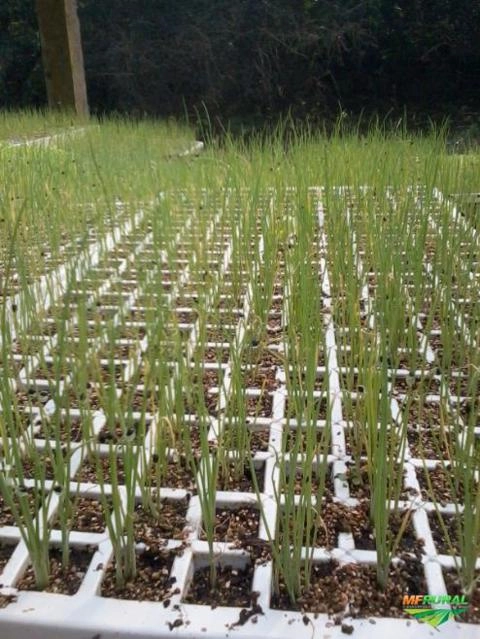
(112, 299)
(350, 359)
(234, 481)
(211, 402)
(99, 314)
(118, 351)
(52, 371)
(174, 474)
(44, 465)
(34, 499)
(350, 381)
(124, 287)
(405, 359)
(274, 326)
(100, 466)
(6, 550)
(461, 385)
(165, 519)
(140, 400)
(106, 373)
(91, 330)
(191, 402)
(440, 484)
(64, 581)
(427, 385)
(334, 518)
(429, 443)
(445, 532)
(319, 410)
(11, 367)
(263, 378)
(300, 483)
(334, 588)
(297, 438)
(87, 515)
(256, 355)
(259, 440)
(358, 482)
(236, 524)
(131, 332)
(28, 346)
(132, 431)
(44, 330)
(219, 334)
(454, 587)
(297, 378)
(64, 428)
(186, 317)
(142, 314)
(229, 303)
(18, 421)
(210, 379)
(469, 410)
(32, 398)
(89, 398)
(358, 519)
(259, 406)
(224, 317)
(427, 414)
(213, 354)
(355, 440)
(152, 581)
(232, 587)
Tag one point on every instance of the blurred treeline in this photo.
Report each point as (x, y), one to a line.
(258, 58)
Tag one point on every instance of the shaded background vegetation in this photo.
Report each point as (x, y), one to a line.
(257, 58)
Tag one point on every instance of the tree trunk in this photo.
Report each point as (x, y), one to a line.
(62, 55)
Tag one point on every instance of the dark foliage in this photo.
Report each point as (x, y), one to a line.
(258, 57)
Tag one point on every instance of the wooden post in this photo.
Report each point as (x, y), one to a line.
(62, 55)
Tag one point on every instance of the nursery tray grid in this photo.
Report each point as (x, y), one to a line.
(118, 293)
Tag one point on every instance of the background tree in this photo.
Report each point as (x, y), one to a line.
(256, 58)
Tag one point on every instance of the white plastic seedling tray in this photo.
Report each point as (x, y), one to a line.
(88, 615)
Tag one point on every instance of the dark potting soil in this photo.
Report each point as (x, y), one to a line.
(242, 483)
(311, 483)
(69, 429)
(297, 437)
(448, 524)
(439, 484)
(232, 587)
(235, 524)
(261, 378)
(259, 440)
(176, 474)
(259, 406)
(116, 433)
(431, 443)
(5, 553)
(359, 484)
(100, 466)
(167, 520)
(88, 516)
(352, 590)
(65, 581)
(152, 581)
(35, 500)
(453, 584)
